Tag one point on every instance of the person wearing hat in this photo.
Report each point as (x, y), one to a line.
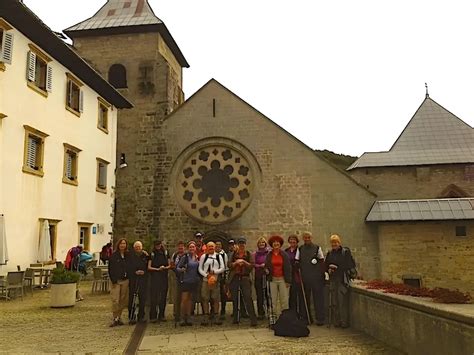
(158, 267)
(200, 246)
(241, 265)
(278, 270)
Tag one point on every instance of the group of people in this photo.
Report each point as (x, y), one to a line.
(207, 277)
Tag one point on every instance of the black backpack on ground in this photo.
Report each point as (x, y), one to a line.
(289, 325)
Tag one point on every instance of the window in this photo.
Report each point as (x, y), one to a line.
(6, 44)
(85, 235)
(39, 73)
(34, 151)
(74, 95)
(102, 175)
(70, 164)
(461, 231)
(118, 76)
(103, 120)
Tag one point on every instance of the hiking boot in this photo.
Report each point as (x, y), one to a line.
(261, 317)
(119, 322)
(235, 321)
(183, 324)
(205, 323)
(153, 320)
(189, 324)
(222, 317)
(319, 324)
(162, 319)
(344, 325)
(114, 323)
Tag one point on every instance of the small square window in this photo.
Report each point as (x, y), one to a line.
(74, 97)
(103, 120)
(34, 151)
(102, 175)
(70, 164)
(461, 231)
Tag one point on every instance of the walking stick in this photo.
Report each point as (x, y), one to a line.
(239, 294)
(330, 303)
(271, 317)
(304, 297)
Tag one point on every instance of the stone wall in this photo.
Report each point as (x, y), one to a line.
(411, 182)
(413, 326)
(155, 89)
(296, 191)
(430, 250)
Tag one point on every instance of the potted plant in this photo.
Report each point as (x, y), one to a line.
(63, 287)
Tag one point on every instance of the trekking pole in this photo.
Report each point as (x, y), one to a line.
(239, 294)
(330, 304)
(304, 297)
(271, 318)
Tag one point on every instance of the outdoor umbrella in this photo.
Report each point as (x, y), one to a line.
(3, 242)
(44, 252)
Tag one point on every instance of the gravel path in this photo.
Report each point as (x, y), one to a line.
(32, 327)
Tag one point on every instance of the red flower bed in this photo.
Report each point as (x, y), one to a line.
(439, 295)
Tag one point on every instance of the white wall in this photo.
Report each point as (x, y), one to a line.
(25, 198)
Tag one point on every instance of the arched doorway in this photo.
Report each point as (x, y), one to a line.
(217, 236)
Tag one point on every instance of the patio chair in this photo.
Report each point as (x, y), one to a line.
(99, 283)
(30, 279)
(14, 282)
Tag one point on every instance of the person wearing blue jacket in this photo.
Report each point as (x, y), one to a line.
(187, 269)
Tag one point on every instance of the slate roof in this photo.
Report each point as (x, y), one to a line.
(433, 136)
(126, 16)
(24, 20)
(422, 210)
(119, 13)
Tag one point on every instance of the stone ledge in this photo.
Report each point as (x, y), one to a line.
(420, 304)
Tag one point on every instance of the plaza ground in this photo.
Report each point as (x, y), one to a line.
(31, 327)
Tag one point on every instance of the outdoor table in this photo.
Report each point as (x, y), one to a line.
(43, 274)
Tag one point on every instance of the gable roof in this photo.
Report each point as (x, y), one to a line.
(25, 21)
(291, 136)
(126, 16)
(433, 136)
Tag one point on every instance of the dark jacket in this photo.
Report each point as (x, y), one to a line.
(159, 258)
(286, 266)
(137, 262)
(343, 261)
(118, 267)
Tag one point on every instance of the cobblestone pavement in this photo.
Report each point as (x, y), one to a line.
(164, 338)
(32, 327)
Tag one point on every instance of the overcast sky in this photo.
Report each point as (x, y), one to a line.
(340, 75)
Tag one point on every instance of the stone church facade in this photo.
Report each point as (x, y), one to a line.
(215, 164)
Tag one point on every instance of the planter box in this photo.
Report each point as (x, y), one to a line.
(63, 295)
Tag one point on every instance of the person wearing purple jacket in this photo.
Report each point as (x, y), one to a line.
(260, 256)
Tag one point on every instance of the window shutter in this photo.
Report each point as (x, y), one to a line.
(69, 162)
(69, 93)
(102, 175)
(49, 78)
(81, 101)
(31, 66)
(7, 49)
(32, 152)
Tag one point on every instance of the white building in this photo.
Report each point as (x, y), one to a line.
(57, 141)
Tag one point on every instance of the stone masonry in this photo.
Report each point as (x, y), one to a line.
(155, 88)
(430, 250)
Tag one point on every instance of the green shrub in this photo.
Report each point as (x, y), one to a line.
(63, 276)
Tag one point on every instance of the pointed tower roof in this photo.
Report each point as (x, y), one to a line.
(125, 16)
(433, 136)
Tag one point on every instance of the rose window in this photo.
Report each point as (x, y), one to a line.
(215, 184)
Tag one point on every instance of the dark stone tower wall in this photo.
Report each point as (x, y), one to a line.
(154, 86)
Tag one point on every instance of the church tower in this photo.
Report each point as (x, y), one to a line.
(135, 52)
